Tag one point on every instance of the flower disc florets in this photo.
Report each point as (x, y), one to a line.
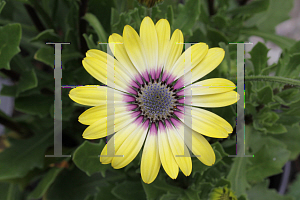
(156, 100)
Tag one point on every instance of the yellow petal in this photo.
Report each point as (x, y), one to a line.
(117, 141)
(99, 128)
(174, 49)
(200, 147)
(212, 86)
(93, 95)
(181, 152)
(197, 52)
(119, 70)
(130, 147)
(207, 127)
(98, 69)
(120, 53)
(163, 36)
(212, 59)
(96, 113)
(134, 48)
(212, 117)
(166, 156)
(149, 41)
(150, 162)
(215, 100)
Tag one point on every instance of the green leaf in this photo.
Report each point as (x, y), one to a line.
(9, 191)
(24, 155)
(89, 41)
(10, 37)
(105, 193)
(227, 59)
(291, 139)
(292, 68)
(268, 161)
(287, 119)
(90, 197)
(191, 193)
(136, 17)
(250, 8)
(259, 57)
(45, 183)
(118, 21)
(75, 184)
(169, 196)
(242, 197)
(46, 56)
(34, 104)
(47, 35)
(129, 190)
(159, 187)
(266, 121)
(281, 41)
(102, 10)
(205, 189)
(295, 48)
(288, 96)
(223, 182)
(265, 95)
(237, 175)
(219, 148)
(2, 4)
(27, 81)
(215, 36)
(261, 192)
(86, 157)
(197, 36)
(187, 17)
(170, 15)
(276, 129)
(155, 12)
(152, 192)
(9, 90)
(268, 20)
(220, 21)
(293, 189)
(94, 22)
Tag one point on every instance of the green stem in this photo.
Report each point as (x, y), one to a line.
(277, 79)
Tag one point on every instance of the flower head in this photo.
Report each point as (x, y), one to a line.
(222, 193)
(147, 94)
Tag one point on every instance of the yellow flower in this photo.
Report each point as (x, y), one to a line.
(149, 99)
(222, 193)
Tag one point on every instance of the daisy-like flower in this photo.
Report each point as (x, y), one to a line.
(149, 99)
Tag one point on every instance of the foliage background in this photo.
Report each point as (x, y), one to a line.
(272, 99)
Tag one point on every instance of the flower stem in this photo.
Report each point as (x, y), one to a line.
(277, 79)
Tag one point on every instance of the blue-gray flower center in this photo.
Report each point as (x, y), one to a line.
(156, 101)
